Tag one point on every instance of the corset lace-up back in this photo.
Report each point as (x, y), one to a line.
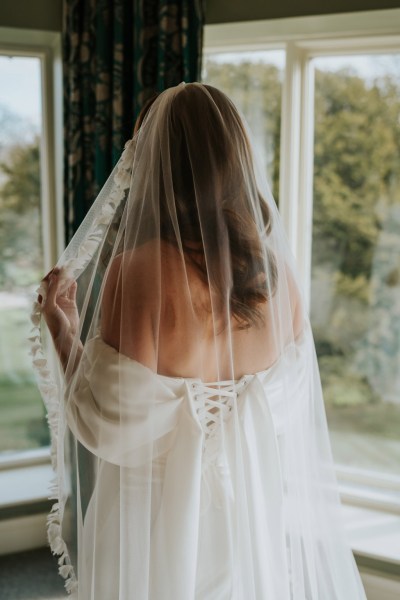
(213, 404)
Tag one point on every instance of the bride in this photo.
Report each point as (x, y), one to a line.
(189, 436)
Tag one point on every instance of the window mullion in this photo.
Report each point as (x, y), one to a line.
(306, 167)
(296, 167)
(290, 144)
(50, 201)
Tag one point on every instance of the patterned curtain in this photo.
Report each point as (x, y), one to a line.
(116, 54)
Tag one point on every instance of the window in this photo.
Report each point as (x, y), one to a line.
(31, 232)
(31, 238)
(254, 82)
(23, 423)
(339, 197)
(355, 277)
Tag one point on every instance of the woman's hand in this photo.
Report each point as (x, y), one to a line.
(59, 307)
(60, 312)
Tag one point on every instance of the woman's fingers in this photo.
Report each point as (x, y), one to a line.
(72, 291)
(57, 288)
(54, 270)
(52, 289)
(45, 284)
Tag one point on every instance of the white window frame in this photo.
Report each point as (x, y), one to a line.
(304, 38)
(46, 46)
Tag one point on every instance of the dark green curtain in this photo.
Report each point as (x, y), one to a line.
(117, 53)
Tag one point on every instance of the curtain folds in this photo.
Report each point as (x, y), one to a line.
(115, 56)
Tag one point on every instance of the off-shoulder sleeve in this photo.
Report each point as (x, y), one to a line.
(118, 409)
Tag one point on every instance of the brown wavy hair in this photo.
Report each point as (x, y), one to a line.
(216, 201)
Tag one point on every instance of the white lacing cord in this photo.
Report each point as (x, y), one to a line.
(220, 395)
(213, 402)
(208, 398)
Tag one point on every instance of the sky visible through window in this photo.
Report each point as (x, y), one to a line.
(20, 87)
(366, 66)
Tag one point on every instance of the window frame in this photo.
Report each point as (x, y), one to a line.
(304, 38)
(46, 46)
(300, 33)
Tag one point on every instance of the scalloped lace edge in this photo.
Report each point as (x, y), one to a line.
(47, 386)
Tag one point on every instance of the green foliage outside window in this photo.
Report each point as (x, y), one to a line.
(23, 424)
(356, 241)
(355, 288)
(20, 231)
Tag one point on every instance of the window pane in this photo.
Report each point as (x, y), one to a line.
(355, 295)
(253, 80)
(22, 415)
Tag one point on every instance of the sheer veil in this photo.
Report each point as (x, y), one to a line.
(187, 402)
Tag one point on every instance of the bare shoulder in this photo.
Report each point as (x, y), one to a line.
(139, 274)
(137, 285)
(130, 301)
(135, 265)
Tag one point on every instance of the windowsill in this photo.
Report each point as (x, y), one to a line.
(24, 483)
(373, 533)
(374, 537)
(15, 460)
(24, 491)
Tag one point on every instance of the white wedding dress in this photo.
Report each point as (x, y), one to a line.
(175, 488)
(219, 520)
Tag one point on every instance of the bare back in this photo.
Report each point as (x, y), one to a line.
(179, 336)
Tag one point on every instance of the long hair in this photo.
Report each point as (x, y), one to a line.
(212, 173)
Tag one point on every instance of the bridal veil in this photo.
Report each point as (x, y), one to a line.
(189, 437)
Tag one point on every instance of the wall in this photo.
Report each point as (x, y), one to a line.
(222, 11)
(44, 15)
(47, 14)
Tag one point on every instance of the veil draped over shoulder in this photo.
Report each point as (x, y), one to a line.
(189, 437)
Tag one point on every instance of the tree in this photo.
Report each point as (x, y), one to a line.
(256, 89)
(356, 149)
(21, 169)
(356, 192)
(356, 196)
(20, 243)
